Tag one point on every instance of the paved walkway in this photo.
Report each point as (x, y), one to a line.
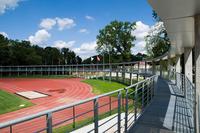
(167, 113)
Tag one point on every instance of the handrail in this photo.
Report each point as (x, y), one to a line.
(50, 111)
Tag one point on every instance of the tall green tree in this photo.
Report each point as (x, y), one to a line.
(4, 51)
(15, 52)
(115, 39)
(157, 41)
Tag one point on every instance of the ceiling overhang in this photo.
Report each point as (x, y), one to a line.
(178, 18)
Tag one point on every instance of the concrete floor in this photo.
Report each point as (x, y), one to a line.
(167, 113)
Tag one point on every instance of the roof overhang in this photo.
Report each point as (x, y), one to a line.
(178, 18)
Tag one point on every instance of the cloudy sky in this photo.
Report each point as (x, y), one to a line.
(71, 23)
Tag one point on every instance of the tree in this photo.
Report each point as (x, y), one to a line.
(15, 52)
(4, 51)
(157, 41)
(116, 40)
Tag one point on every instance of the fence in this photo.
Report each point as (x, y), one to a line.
(124, 106)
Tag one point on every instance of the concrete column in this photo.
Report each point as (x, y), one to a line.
(145, 67)
(131, 78)
(197, 69)
(123, 74)
(110, 73)
(161, 68)
(178, 64)
(117, 75)
(168, 67)
(131, 74)
(137, 77)
(138, 67)
(188, 63)
(153, 68)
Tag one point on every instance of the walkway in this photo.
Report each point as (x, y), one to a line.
(167, 113)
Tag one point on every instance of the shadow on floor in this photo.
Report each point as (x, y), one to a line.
(167, 113)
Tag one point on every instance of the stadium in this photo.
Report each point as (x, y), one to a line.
(134, 78)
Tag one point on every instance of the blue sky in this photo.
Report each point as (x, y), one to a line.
(71, 23)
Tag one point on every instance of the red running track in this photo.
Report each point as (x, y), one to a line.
(60, 91)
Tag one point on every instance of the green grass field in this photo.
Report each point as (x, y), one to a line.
(10, 102)
(101, 87)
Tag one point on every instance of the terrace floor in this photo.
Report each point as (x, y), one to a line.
(167, 113)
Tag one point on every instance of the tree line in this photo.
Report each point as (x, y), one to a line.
(15, 52)
(114, 44)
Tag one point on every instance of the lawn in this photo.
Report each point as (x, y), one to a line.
(11, 102)
(101, 87)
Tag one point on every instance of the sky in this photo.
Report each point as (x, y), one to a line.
(72, 23)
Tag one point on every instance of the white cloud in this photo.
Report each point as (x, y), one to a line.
(86, 49)
(89, 17)
(8, 4)
(4, 34)
(141, 30)
(83, 31)
(47, 23)
(62, 44)
(65, 23)
(140, 33)
(139, 47)
(40, 37)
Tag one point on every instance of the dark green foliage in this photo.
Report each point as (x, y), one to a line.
(116, 39)
(15, 52)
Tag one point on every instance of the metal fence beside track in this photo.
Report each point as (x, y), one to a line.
(130, 101)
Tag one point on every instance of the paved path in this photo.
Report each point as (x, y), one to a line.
(167, 113)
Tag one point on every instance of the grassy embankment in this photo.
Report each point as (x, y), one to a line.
(11, 102)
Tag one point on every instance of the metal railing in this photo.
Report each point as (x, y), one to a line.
(132, 67)
(185, 90)
(130, 101)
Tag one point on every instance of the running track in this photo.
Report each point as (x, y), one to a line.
(61, 91)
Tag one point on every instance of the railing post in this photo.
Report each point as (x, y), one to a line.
(145, 67)
(147, 85)
(11, 130)
(96, 117)
(110, 73)
(123, 73)
(131, 73)
(119, 112)
(74, 119)
(110, 107)
(151, 85)
(135, 102)
(126, 112)
(142, 96)
(49, 122)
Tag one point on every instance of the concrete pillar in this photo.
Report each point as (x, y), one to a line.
(123, 74)
(117, 75)
(131, 79)
(18, 71)
(138, 67)
(131, 74)
(168, 67)
(153, 68)
(161, 68)
(110, 73)
(197, 69)
(145, 67)
(188, 63)
(178, 64)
